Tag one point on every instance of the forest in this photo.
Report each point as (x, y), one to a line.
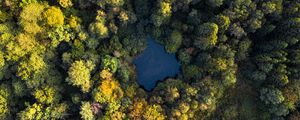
(74, 59)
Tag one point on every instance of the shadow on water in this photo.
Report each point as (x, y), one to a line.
(155, 64)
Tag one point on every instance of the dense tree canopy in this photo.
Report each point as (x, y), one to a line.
(73, 59)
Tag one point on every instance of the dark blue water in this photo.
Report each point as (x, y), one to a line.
(155, 64)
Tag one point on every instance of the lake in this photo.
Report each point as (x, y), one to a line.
(155, 64)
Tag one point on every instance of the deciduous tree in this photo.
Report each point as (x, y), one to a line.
(79, 75)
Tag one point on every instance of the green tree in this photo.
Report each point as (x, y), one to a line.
(47, 95)
(174, 42)
(206, 36)
(32, 66)
(229, 77)
(124, 73)
(214, 3)
(143, 8)
(4, 16)
(236, 30)
(110, 63)
(163, 13)
(223, 22)
(113, 111)
(269, 7)
(218, 64)
(279, 110)
(191, 72)
(254, 24)
(19, 88)
(4, 102)
(24, 44)
(242, 52)
(184, 56)
(2, 61)
(99, 29)
(40, 112)
(6, 33)
(112, 3)
(27, 2)
(271, 96)
(280, 76)
(59, 34)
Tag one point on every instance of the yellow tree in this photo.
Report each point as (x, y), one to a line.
(4, 101)
(99, 29)
(138, 109)
(30, 67)
(165, 9)
(65, 3)
(109, 89)
(153, 112)
(29, 17)
(79, 75)
(53, 17)
(86, 111)
(47, 95)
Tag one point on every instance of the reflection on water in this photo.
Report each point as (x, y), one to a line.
(155, 64)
